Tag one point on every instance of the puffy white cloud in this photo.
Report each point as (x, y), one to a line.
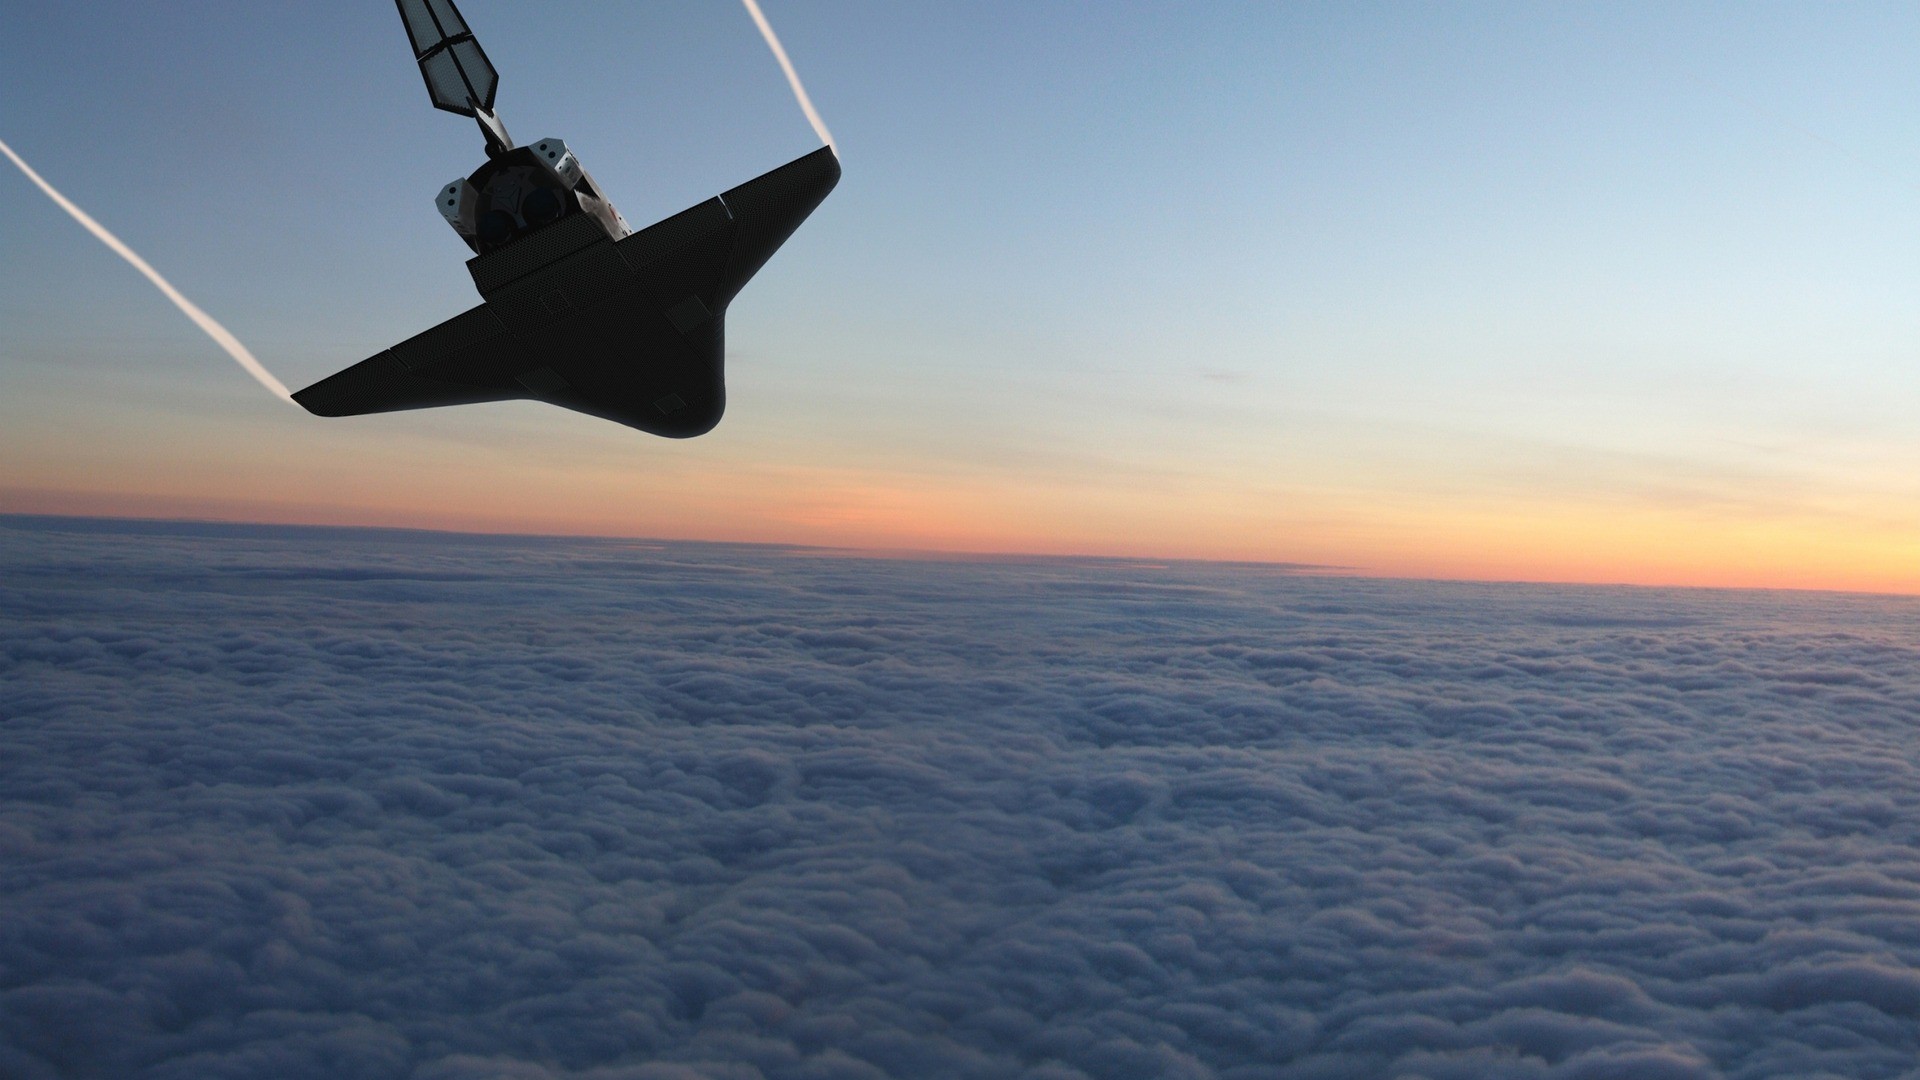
(323, 803)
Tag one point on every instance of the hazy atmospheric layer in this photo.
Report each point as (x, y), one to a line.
(332, 803)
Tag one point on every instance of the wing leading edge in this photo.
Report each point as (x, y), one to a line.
(629, 330)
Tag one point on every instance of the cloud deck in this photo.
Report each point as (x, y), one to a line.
(324, 803)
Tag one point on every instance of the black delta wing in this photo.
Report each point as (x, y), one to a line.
(580, 311)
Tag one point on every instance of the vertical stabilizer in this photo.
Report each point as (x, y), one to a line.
(459, 77)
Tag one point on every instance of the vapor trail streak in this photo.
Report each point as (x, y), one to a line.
(793, 77)
(220, 334)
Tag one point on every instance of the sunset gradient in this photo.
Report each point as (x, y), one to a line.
(1488, 291)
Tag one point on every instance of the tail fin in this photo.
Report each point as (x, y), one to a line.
(459, 76)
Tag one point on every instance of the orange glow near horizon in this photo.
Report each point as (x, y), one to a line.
(1512, 541)
(1370, 502)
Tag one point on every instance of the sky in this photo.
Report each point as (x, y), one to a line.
(1579, 292)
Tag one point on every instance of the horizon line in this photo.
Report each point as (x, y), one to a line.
(910, 554)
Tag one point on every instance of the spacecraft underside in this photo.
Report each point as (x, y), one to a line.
(580, 311)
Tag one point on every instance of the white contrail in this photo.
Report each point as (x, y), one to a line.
(220, 334)
(793, 77)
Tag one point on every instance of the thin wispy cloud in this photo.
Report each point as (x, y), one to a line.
(211, 327)
(793, 76)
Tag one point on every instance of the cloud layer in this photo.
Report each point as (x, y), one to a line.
(324, 803)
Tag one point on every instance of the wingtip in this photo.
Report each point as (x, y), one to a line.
(305, 399)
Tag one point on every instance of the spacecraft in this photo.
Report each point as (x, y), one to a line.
(579, 310)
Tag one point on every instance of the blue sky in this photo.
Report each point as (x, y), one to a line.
(1428, 289)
